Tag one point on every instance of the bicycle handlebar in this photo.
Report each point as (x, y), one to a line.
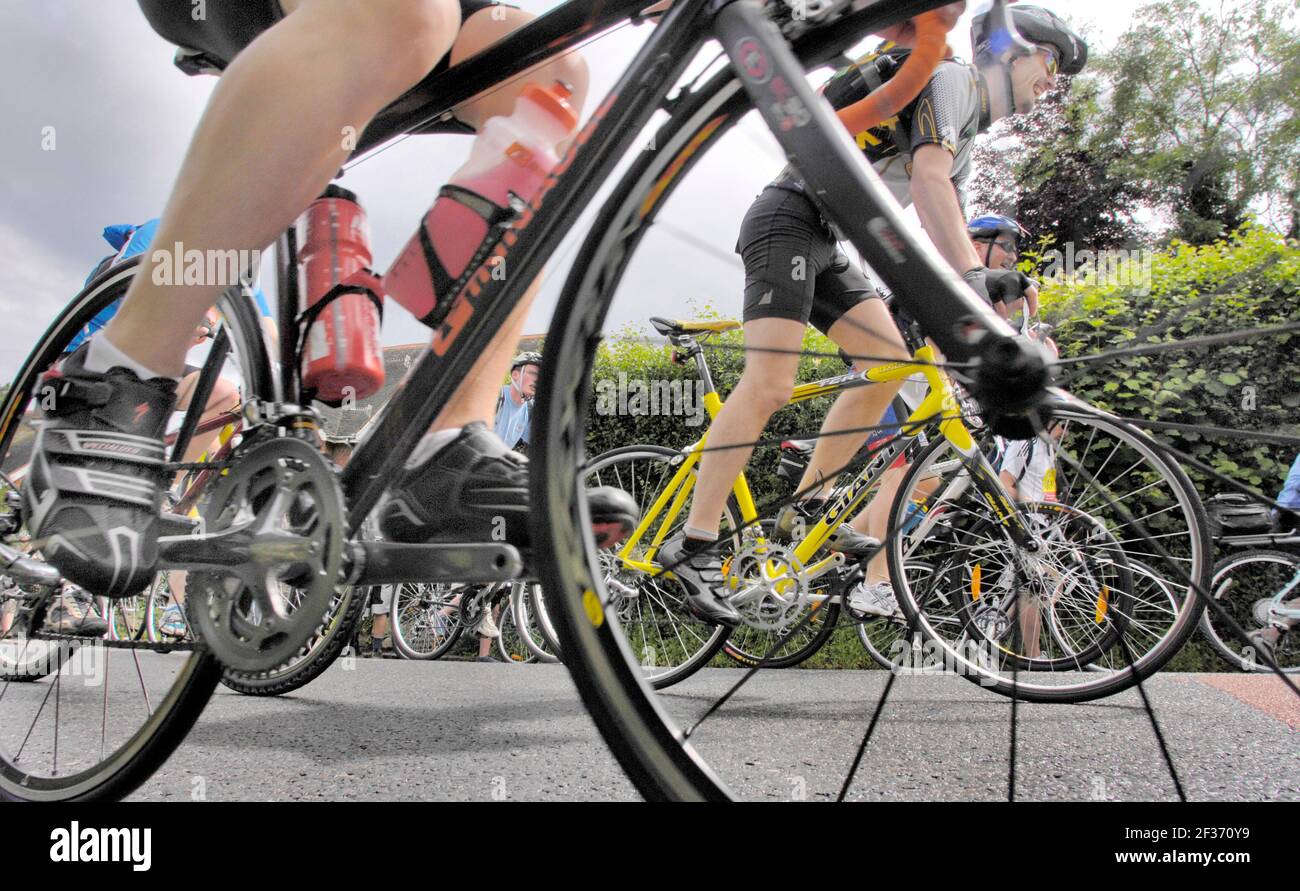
(929, 50)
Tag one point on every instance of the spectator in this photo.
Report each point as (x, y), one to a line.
(515, 406)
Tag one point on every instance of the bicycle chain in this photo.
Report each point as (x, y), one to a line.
(157, 647)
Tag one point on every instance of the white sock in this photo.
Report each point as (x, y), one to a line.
(699, 534)
(104, 354)
(429, 446)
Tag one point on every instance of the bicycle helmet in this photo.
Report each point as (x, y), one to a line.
(1036, 25)
(528, 358)
(990, 226)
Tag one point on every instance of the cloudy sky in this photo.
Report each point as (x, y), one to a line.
(122, 116)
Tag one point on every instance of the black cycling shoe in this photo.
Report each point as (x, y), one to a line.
(476, 489)
(701, 575)
(96, 481)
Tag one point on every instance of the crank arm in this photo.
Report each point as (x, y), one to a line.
(391, 563)
(218, 550)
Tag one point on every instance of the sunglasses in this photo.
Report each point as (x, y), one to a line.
(1053, 60)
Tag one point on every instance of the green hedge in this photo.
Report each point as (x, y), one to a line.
(626, 364)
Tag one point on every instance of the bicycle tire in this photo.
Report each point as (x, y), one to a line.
(544, 624)
(171, 716)
(658, 760)
(522, 600)
(400, 628)
(1218, 589)
(1095, 685)
(510, 643)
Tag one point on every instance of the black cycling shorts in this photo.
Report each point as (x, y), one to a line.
(231, 25)
(794, 268)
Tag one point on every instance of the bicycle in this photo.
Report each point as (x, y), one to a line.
(1087, 593)
(1254, 586)
(763, 68)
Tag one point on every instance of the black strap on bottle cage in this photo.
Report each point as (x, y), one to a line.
(498, 218)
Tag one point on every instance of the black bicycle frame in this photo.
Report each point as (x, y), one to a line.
(812, 137)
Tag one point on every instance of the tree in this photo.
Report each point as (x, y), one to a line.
(1043, 169)
(1203, 108)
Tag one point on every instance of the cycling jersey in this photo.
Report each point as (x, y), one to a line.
(950, 111)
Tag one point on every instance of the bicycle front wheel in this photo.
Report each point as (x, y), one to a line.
(1071, 621)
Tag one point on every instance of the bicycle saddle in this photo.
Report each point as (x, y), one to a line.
(675, 327)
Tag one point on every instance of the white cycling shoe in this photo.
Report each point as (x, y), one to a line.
(875, 599)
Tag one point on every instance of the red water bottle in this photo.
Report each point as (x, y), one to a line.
(341, 356)
(507, 166)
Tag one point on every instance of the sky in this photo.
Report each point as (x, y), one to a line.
(121, 117)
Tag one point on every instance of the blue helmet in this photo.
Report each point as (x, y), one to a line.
(991, 225)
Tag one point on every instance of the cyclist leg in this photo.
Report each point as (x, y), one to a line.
(329, 66)
(848, 310)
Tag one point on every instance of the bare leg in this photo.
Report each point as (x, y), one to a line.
(858, 332)
(764, 387)
(235, 193)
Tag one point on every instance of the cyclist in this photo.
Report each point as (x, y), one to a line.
(796, 274)
(996, 239)
(514, 415)
(328, 67)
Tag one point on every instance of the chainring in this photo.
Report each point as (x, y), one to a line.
(768, 586)
(281, 500)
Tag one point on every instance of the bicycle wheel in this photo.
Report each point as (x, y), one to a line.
(119, 707)
(522, 600)
(426, 619)
(1245, 585)
(886, 642)
(665, 747)
(542, 622)
(999, 616)
(510, 643)
(670, 643)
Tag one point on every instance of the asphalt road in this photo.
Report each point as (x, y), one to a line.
(387, 729)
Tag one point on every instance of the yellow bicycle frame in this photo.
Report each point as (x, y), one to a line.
(939, 404)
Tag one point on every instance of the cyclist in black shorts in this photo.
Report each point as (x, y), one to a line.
(300, 82)
(795, 272)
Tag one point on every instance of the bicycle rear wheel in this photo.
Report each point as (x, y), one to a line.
(1245, 585)
(114, 710)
